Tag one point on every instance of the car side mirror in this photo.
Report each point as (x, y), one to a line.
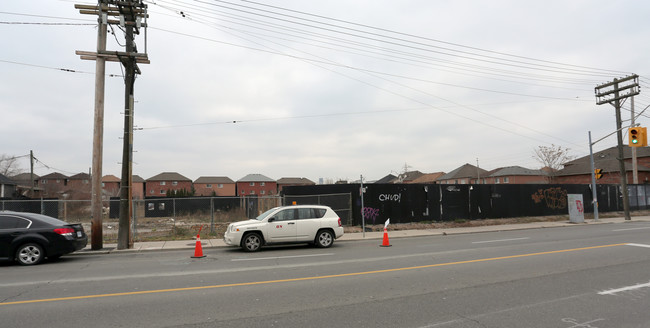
(271, 219)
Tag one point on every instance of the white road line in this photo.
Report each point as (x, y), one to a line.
(624, 289)
(627, 229)
(281, 257)
(639, 245)
(498, 240)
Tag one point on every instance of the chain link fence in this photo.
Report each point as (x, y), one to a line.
(173, 218)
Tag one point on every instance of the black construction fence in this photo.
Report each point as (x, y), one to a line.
(407, 203)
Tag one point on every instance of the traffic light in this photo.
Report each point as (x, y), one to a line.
(598, 173)
(637, 137)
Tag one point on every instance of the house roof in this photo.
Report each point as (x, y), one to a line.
(80, 176)
(465, 171)
(53, 176)
(24, 177)
(256, 178)
(214, 180)
(6, 181)
(111, 178)
(611, 152)
(137, 178)
(387, 179)
(428, 178)
(605, 160)
(515, 170)
(168, 176)
(295, 181)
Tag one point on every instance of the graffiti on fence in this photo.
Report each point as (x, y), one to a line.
(371, 213)
(555, 198)
(390, 197)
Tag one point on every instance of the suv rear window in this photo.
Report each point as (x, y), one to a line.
(311, 213)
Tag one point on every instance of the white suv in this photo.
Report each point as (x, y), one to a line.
(287, 224)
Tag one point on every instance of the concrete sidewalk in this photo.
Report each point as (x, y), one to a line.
(211, 243)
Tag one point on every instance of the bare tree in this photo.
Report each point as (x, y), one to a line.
(552, 158)
(9, 165)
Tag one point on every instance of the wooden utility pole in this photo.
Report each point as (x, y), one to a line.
(130, 14)
(612, 93)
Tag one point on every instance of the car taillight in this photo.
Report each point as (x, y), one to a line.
(64, 231)
(340, 222)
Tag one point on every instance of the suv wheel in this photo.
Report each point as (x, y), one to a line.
(30, 254)
(324, 239)
(252, 242)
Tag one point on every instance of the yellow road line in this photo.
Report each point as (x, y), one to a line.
(305, 278)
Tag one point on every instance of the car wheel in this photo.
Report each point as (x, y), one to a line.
(324, 239)
(30, 254)
(252, 242)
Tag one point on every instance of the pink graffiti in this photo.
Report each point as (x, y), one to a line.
(371, 213)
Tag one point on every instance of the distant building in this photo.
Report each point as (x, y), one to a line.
(466, 174)
(215, 186)
(53, 184)
(161, 184)
(7, 187)
(578, 171)
(256, 184)
(428, 178)
(516, 175)
(78, 187)
(285, 182)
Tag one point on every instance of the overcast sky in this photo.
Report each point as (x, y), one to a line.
(322, 89)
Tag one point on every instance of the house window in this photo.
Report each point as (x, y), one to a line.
(498, 180)
(175, 183)
(103, 185)
(506, 180)
(220, 185)
(162, 183)
(85, 181)
(208, 185)
(243, 192)
(58, 180)
(162, 191)
(44, 181)
(261, 183)
(151, 191)
(262, 192)
(252, 192)
(251, 184)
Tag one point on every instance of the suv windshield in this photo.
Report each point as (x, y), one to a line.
(265, 214)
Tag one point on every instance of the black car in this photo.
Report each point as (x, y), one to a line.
(29, 238)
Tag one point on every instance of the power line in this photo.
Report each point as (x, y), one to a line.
(67, 70)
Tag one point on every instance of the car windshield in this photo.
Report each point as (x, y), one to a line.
(265, 214)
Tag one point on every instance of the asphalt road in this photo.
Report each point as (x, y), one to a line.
(589, 276)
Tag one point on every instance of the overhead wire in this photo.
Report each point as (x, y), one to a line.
(411, 98)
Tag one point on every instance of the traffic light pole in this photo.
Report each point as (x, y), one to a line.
(593, 179)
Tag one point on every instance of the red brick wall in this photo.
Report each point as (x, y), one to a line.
(202, 189)
(155, 188)
(245, 188)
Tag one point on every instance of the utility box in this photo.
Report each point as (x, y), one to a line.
(576, 208)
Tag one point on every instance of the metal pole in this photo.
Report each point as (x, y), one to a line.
(594, 194)
(363, 217)
(635, 170)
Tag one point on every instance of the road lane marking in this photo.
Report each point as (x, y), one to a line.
(280, 257)
(266, 282)
(628, 229)
(639, 245)
(624, 289)
(498, 240)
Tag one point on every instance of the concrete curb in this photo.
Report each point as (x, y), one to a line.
(349, 237)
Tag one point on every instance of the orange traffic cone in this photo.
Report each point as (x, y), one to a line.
(385, 243)
(198, 249)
